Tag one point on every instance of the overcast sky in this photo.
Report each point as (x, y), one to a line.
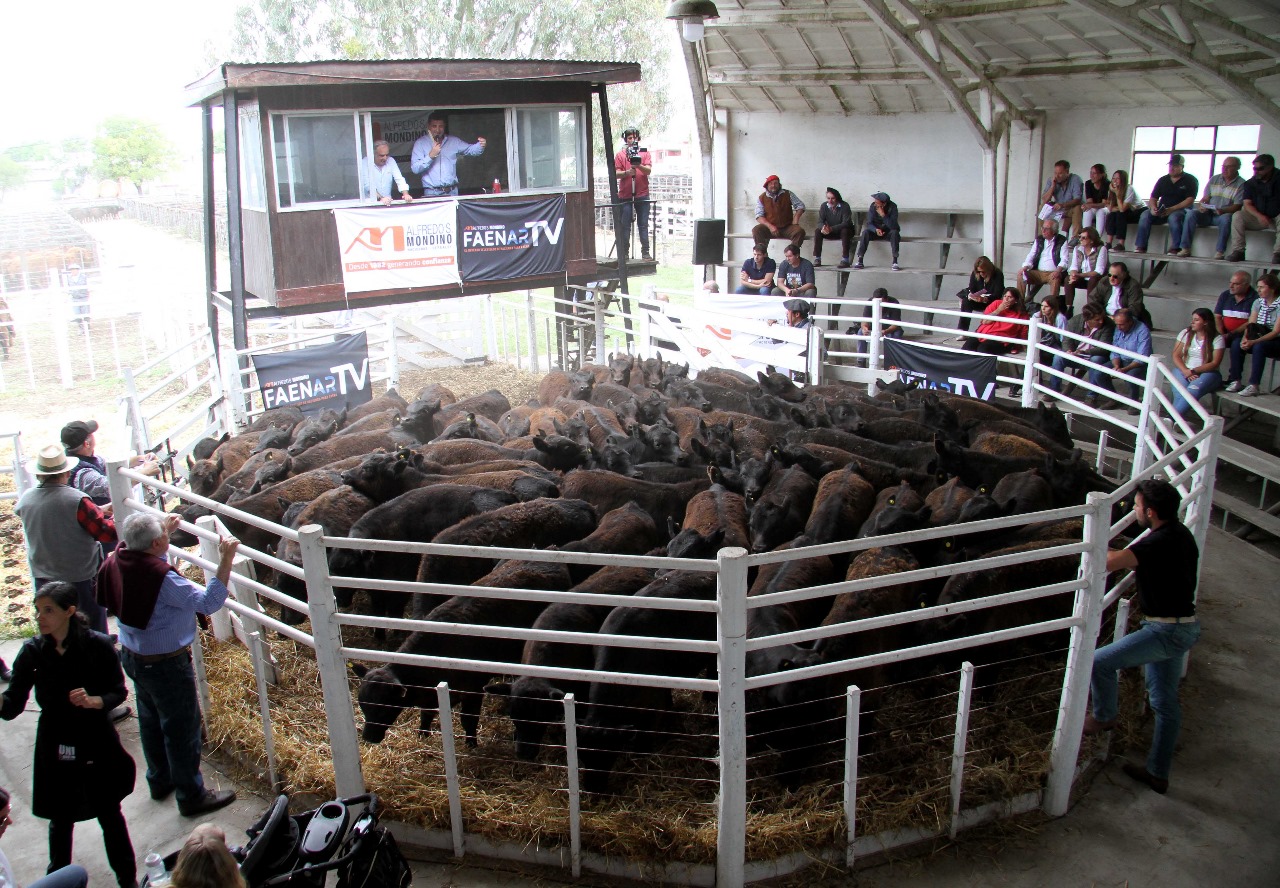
(65, 68)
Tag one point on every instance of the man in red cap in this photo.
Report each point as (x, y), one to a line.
(778, 213)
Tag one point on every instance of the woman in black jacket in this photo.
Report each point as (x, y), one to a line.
(81, 770)
(986, 285)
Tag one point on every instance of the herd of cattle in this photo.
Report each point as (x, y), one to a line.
(636, 458)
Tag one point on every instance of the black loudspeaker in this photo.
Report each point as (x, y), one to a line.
(708, 241)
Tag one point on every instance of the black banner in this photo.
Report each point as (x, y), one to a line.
(969, 374)
(511, 239)
(333, 375)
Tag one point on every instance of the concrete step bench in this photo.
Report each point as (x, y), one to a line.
(1251, 459)
(1251, 515)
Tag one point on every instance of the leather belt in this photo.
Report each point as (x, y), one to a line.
(158, 658)
(1174, 620)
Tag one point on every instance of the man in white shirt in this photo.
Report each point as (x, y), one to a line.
(381, 173)
(1047, 261)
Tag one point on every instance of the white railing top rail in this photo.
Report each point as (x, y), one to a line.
(211, 505)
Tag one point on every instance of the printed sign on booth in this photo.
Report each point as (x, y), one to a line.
(332, 375)
(414, 246)
(971, 375)
(511, 239)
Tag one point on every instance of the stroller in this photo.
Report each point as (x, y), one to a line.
(297, 851)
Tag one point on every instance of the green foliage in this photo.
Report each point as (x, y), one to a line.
(32, 152)
(12, 173)
(584, 30)
(129, 148)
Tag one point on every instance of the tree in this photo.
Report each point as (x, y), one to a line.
(129, 148)
(306, 30)
(12, 173)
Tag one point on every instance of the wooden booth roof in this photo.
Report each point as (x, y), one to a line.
(345, 72)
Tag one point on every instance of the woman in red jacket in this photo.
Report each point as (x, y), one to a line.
(1001, 319)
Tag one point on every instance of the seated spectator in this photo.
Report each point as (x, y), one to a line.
(1124, 208)
(1052, 322)
(1133, 336)
(1001, 319)
(1261, 208)
(1234, 307)
(1093, 211)
(1047, 261)
(1171, 198)
(72, 876)
(206, 862)
(986, 282)
(1223, 197)
(756, 277)
(1259, 337)
(1117, 290)
(1088, 265)
(1197, 355)
(835, 222)
(1063, 194)
(795, 277)
(1094, 324)
(778, 214)
(890, 320)
(881, 224)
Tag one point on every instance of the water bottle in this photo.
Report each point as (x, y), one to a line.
(497, 186)
(156, 874)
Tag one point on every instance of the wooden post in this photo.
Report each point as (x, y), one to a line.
(448, 750)
(260, 666)
(960, 741)
(852, 728)
(327, 634)
(731, 593)
(1079, 669)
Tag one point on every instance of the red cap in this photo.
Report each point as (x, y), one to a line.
(772, 179)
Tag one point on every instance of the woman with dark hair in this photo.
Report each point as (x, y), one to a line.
(1197, 355)
(986, 282)
(81, 771)
(1123, 207)
(1094, 209)
(835, 221)
(1001, 319)
(205, 861)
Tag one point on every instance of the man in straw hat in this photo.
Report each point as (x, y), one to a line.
(63, 527)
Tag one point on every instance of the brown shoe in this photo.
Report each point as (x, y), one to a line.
(1142, 775)
(1093, 726)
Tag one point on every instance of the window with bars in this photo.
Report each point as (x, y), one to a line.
(1203, 147)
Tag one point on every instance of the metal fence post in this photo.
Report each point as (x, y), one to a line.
(393, 355)
(852, 731)
(597, 308)
(731, 625)
(1141, 450)
(960, 743)
(327, 634)
(1079, 668)
(1029, 396)
(533, 331)
(814, 354)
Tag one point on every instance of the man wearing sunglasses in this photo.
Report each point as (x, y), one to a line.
(1118, 290)
(1261, 208)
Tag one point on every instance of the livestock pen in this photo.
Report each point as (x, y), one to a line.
(908, 746)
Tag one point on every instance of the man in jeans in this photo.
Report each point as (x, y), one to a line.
(633, 166)
(155, 608)
(1165, 561)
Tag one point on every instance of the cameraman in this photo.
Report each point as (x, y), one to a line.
(632, 165)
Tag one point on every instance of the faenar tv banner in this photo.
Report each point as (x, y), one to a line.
(511, 239)
(971, 375)
(413, 246)
(331, 375)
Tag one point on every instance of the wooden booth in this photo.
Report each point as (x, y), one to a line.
(305, 133)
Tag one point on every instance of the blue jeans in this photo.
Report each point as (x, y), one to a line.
(1107, 381)
(1260, 351)
(1060, 363)
(1194, 220)
(1175, 228)
(744, 290)
(1209, 381)
(1161, 647)
(168, 723)
(73, 876)
(631, 209)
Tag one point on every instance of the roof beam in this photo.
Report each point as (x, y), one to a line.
(1165, 44)
(1201, 18)
(792, 17)
(815, 75)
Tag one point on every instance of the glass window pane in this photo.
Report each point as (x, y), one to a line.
(1238, 138)
(279, 129)
(1195, 138)
(1200, 166)
(318, 159)
(1153, 138)
(253, 186)
(539, 134)
(1146, 169)
(570, 145)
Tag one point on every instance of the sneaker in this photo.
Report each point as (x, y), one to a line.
(1219, 255)
(210, 800)
(817, 261)
(1176, 251)
(1119, 246)
(1233, 386)
(1142, 775)
(1249, 391)
(895, 266)
(858, 264)
(1139, 249)
(1236, 256)
(646, 257)
(844, 263)
(1184, 252)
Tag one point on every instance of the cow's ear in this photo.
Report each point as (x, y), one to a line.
(555, 694)
(359, 669)
(190, 463)
(498, 689)
(284, 503)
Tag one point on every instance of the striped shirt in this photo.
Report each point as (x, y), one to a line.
(1267, 313)
(173, 622)
(1221, 193)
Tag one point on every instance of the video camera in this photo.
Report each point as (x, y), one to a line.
(633, 154)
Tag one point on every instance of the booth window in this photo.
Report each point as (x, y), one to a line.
(316, 158)
(1204, 148)
(549, 148)
(253, 183)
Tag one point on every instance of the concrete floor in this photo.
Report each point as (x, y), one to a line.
(1218, 825)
